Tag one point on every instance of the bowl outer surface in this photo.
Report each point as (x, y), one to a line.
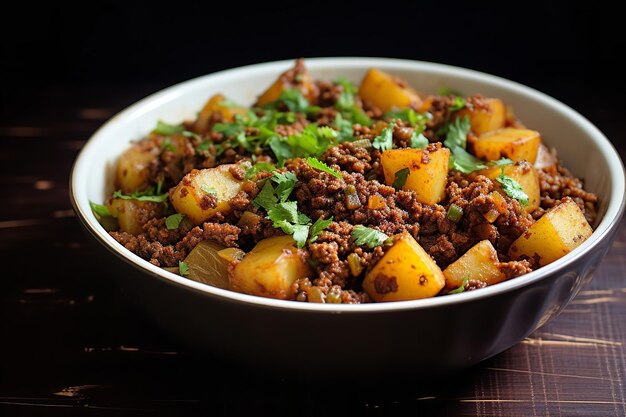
(442, 333)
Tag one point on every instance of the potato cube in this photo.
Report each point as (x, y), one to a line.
(270, 269)
(526, 177)
(405, 272)
(558, 232)
(133, 214)
(480, 262)
(215, 105)
(203, 193)
(387, 92)
(297, 77)
(515, 144)
(428, 171)
(486, 119)
(133, 167)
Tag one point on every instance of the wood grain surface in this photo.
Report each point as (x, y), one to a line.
(71, 344)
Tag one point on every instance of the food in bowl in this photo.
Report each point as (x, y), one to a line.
(325, 192)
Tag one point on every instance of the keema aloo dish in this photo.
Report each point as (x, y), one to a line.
(326, 192)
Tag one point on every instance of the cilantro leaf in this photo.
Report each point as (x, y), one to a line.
(344, 129)
(317, 228)
(294, 100)
(317, 164)
(446, 91)
(502, 162)
(463, 161)
(461, 288)
(183, 269)
(345, 102)
(300, 234)
(409, 115)
(173, 221)
(167, 146)
(285, 184)
(384, 141)
(258, 167)
(99, 210)
(367, 236)
(457, 132)
(203, 146)
(284, 212)
(400, 178)
(208, 190)
(166, 129)
(266, 197)
(150, 194)
(457, 104)
(512, 188)
(418, 140)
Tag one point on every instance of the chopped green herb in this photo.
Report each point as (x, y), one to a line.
(183, 269)
(167, 146)
(99, 210)
(345, 102)
(317, 228)
(266, 197)
(300, 234)
(461, 288)
(344, 129)
(400, 178)
(294, 100)
(166, 129)
(190, 134)
(512, 188)
(317, 164)
(173, 221)
(455, 213)
(457, 132)
(409, 115)
(203, 146)
(463, 161)
(208, 190)
(418, 140)
(150, 194)
(259, 167)
(384, 141)
(362, 235)
(457, 104)
(446, 91)
(502, 162)
(284, 212)
(284, 184)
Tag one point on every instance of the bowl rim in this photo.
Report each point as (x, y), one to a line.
(606, 227)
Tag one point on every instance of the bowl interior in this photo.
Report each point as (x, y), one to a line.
(583, 148)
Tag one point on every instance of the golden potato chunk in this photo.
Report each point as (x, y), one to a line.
(479, 263)
(133, 167)
(405, 272)
(203, 193)
(297, 77)
(428, 171)
(270, 269)
(488, 118)
(526, 177)
(387, 92)
(558, 232)
(133, 214)
(515, 144)
(213, 106)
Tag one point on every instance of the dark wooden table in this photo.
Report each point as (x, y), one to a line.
(71, 344)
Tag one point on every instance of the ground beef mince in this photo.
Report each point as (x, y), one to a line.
(306, 161)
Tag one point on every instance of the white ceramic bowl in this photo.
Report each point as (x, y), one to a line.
(435, 335)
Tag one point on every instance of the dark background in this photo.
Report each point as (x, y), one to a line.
(568, 50)
(72, 345)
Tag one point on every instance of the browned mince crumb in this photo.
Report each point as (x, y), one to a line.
(475, 284)
(514, 269)
(557, 182)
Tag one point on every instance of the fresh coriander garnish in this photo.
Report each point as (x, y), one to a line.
(457, 132)
(512, 188)
(149, 194)
(166, 129)
(259, 167)
(285, 183)
(317, 164)
(461, 288)
(208, 190)
(363, 235)
(266, 198)
(172, 222)
(457, 104)
(384, 141)
(183, 268)
(317, 228)
(400, 178)
(167, 145)
(418, 141)
(99, 210)
(502, 162)
(347, 105)
(456, 140)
